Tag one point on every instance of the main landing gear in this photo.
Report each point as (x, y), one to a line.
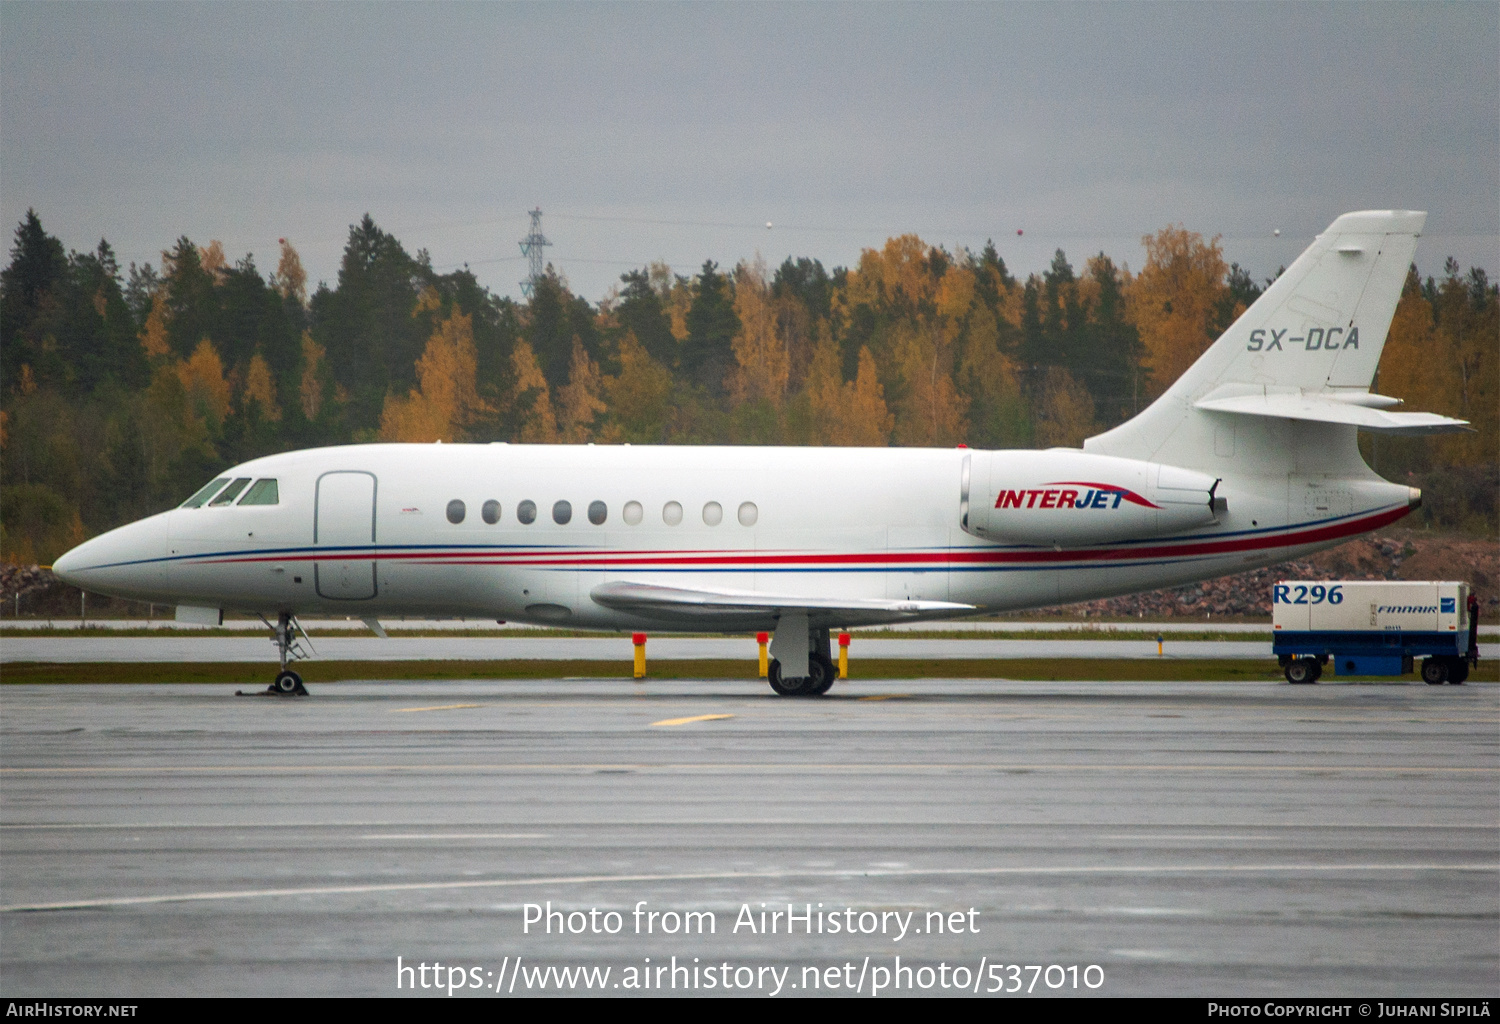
(287, 683)
(818, 676)
(818, 681)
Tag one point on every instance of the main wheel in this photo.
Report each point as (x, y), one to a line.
(791, 686)
(288, 682)
(823, 676)
(1301, 670)
(1434, 671)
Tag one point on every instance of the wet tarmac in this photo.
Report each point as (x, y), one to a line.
(1213, 839)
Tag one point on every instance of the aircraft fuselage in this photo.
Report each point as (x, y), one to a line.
(388, 530)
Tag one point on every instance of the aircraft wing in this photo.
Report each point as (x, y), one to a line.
(716, 606)
(1322, 409)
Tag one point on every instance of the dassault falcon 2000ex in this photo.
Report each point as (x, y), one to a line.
(1249, 459)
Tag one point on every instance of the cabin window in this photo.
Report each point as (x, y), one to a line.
(262, 492)
(671, 513)
(231, 492)
(748, 513)
(713, 513)
(208, 491)
(490, 511)
(598, 512)
(526, 512)
(562, 512)
(632, 513)
(456, 511)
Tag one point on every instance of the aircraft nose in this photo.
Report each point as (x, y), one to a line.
(127, 562)
(67, 566)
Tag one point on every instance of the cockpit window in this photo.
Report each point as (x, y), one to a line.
(262, 492)
(231, 492)
(197, 500)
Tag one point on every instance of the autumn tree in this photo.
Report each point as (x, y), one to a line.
(154, 334)
(638, 401)
(531, 398)
(311, 384)
(260, 388)
(202, 376)
(579, 401)
(446, 401)
(762, 366)
(846, 413)
(987, 378)
(929, 409)
(1065, 412)
(1174, 300)
(290, 280)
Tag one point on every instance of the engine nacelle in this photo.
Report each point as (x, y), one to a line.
(1066, 497)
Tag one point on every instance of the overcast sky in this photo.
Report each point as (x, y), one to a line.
(665, 131)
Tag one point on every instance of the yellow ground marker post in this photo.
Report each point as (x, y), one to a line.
(843, 655)
(639, 640)
(761, 639)
(1159, 641)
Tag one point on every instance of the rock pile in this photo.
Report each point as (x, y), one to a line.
(1404, 555)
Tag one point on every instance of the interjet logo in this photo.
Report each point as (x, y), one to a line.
(1057, 495)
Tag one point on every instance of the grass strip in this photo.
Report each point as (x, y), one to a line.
(1086, 669)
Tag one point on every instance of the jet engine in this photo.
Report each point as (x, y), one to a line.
(1067, 497)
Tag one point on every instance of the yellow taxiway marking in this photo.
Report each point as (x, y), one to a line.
(440, 707)
(885, 696)
(694, 718)
(456, 835)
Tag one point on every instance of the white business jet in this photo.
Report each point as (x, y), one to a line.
(1249, 459)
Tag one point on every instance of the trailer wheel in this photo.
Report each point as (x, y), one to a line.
(1301, 670)
(1434, 671)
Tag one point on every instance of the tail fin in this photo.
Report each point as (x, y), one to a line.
(1305, 351)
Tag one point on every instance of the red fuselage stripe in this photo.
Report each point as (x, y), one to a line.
(647, 559)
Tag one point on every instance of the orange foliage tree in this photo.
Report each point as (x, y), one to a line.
(446, 401)
(202, 376)
(1173, 301)
(762, 368)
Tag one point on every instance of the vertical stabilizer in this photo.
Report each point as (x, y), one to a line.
(1315, 333)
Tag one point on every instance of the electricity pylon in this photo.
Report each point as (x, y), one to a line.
(531, 247)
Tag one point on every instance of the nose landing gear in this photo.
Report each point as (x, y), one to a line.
(284, 636)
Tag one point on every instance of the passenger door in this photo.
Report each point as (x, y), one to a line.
(344, 525)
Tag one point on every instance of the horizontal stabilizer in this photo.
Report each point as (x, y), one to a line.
(1325, 408)
(652, 600)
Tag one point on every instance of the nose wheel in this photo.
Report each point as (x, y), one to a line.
(288, 684)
